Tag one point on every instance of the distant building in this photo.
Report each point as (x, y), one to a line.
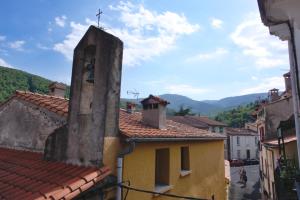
(277, 149)
(242, 143)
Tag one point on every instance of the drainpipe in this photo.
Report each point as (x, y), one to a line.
(125, 151)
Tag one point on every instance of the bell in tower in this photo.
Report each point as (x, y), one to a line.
(94, 96)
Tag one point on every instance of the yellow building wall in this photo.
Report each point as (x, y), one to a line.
(111, 151)
(206, 162)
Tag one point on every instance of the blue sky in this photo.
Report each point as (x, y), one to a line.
(201, 49)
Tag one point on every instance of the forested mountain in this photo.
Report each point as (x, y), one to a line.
(13, 79)
(237, 117)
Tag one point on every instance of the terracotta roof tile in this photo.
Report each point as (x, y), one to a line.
(25, 175)
(130, 124)
(241, 131)
(287, 139)
(54, 104)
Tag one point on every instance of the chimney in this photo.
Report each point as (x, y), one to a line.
(130, 107)
(287, 80)
(154, 112)
(273, 95)
(57, 89)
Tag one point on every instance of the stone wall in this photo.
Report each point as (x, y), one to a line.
(26, 126)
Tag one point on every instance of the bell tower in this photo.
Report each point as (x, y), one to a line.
(94, 96)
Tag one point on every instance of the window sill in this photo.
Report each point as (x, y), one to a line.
(162, 189)
(185, 172)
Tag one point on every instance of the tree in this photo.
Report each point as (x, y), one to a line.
(183, 111)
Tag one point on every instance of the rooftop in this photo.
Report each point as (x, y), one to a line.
(197, 121)
(25, 175)
(130, 124)
(241, 132)
(274, 142)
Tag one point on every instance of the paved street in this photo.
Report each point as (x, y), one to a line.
(251, 191)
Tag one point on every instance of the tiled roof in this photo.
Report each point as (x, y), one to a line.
(189, 120)
(241, 132)
(287, 139)
(55, 104)
(200, 120)
(25, 175)
(131, 126)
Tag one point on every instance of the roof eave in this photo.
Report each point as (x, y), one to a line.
(174, 139)
(263, 12)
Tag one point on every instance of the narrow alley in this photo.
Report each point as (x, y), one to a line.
(252, 189)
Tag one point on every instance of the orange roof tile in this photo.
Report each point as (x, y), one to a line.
(55, 104)
(130, 124)
(25, 175)
(287, 139)
(241, 132)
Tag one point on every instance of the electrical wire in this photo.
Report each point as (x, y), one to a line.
(128, 187)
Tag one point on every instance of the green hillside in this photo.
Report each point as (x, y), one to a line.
(12, 79)
(237, 117)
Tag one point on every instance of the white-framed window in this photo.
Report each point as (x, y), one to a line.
(238, 140)
(238, 152)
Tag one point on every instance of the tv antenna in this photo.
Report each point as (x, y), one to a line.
(134, 92)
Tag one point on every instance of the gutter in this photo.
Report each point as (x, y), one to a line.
(129, 149)
(141, 139)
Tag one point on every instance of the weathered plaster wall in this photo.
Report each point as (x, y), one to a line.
(276, 112)
(94, 106)
(206, 162)
(26, 126)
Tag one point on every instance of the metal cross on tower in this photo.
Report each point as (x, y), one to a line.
(98, 15)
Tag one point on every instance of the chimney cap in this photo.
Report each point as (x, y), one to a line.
(57, 85)
(154, 99)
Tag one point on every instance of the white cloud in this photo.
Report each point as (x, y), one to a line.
(254, 78)
(67, 46)
(61, 21)
(5, 64)
(43, 47)
(17, 45)
(208, 56)
(145, 33)
(265, 85)
(185, 89)
(256, 42)
(216, 23)
(2, 38)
